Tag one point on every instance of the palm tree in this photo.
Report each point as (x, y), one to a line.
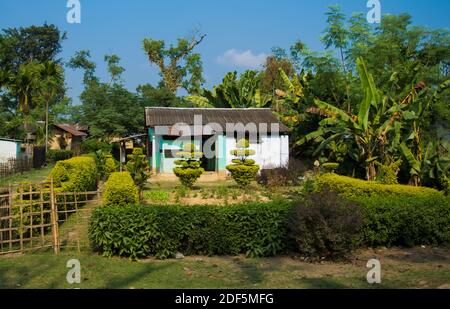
(22, 86)
(52, 80)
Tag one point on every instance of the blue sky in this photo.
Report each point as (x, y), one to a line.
(239, 33)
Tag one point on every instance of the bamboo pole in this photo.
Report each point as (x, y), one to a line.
(54, 218)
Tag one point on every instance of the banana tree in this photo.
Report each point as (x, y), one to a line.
(430, 164)
(368, 133)
(233, 93)
(425, 161)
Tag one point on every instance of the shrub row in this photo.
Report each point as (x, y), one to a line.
(324, 225)
(54, 156)
(351, 187)
(407, 221)
(120, 190)
(138, 231)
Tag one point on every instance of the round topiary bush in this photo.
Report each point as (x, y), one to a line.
(188, 168)
(243, 170)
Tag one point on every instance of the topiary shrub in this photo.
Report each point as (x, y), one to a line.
(188, 168)
(120, 190)
(138, 167)
(243, 170)
(324, 225)
(78, 174)
(330, 167)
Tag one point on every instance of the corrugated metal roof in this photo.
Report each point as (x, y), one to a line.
(169, 116)
(70, 128)
(10, 140)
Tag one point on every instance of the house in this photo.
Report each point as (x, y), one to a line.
(9, 149)
(68, 137)
(215, 132)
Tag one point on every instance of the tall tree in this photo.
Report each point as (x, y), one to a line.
(336, 34)
(179, 66)
(51, 83)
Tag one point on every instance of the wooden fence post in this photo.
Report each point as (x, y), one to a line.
(54, 218)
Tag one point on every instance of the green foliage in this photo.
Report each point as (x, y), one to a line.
(330, 166)
(109, 108)
(78, 174)
(188, 168)
(178, 65)
(100, 162)
(388, 173)
(91, 145)
(233, 92)
(350, 187)
(54, 155)
(120, 190)
(138, 168)
(254, 229)
(391, 220)
(243, 170)
(110, 166)
(325, 225)
(157, 196)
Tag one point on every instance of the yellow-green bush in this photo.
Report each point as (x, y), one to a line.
(120, 190)
(110, 166)
(78, 174)
(351, 187)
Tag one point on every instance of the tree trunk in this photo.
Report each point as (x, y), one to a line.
(371, 172)
(46, 126)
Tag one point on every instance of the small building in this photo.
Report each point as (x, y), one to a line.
(215, 132)
(9, 149)
(68, 137)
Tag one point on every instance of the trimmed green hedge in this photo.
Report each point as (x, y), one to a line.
(120, 190)
(407, 221)
(351, 187)
(54, 155)
(78, 174)
(138, 231)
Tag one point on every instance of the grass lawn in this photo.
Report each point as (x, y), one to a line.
(33, 176)
(219, 192)
(401, 268)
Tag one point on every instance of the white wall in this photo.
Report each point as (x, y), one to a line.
(271, 151)
(7, 150)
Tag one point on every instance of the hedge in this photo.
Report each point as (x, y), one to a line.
(137, 231)
(78, 174)
(120, 190)
(407, 221)
(351, 187)
(55, 155)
